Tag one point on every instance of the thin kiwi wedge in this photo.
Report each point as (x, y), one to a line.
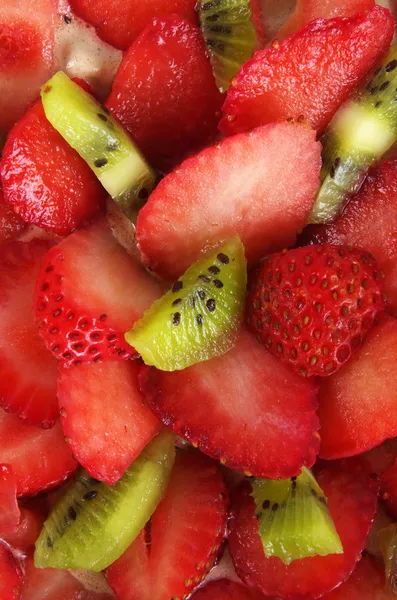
(100, 140)
(294, 520)
(230, 35)
(200, 316)
(362, 130)
(387, 541)
(93, 523)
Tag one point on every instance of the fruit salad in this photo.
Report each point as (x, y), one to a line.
(198, 300)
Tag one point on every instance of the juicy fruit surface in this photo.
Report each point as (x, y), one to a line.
(334, 56)
(28, 372)
(10, 577)
(89, 292)
(44, 179)
(223, 589)
(10, 223)
(9, 510)
(120, 23)
(93, 524)
(186, 532)
(366, 583)
(39, 458)
(269, 425)
(352, 499)
(175, 110)
(200, 317)
(312, 306)
(388, 489)
(103, 417)
(358, 404)
(207, 199)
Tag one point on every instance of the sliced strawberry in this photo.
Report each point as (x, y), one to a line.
(44, 179)
(352, 498)
(334, 56)
(366, 583)
(224, 589)
(10, 576)
(10, 514)
(382, 457)
(89, 293)
(10, 223)
(369, 221)
(358, 405)
(26, 54)
(39, 458)
(165, 94)
(389, 489)
(186, 532)
(28, 372)
(308, 10)
(24, 535)
(208, 199)
(254, 414)
(103, 417)
(120, 23)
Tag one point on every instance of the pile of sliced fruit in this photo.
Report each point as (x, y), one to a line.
(198, 301)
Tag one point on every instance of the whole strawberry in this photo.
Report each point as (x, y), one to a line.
(312, 306)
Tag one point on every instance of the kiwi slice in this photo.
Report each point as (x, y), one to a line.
(230, 36)
(200, 316)
(93, 523)
(362, 130)
(387, 540)
(294, 520)
(100, 140)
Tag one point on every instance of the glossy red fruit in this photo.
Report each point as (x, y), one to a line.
(358, 405)
(313, 306)
(224, 589)
(352, 499)
(369, 221)
(165, 94)
(89, 292)
(104, 418)
(388, 489)
(366, 583)
(10, 576)
(28, 372)
(254, 413)
(334, 56)
(39, 458)
(10, 223)
(208, 199)
(120, 23)
(185, 534)
(44, 179)
(23, 536)
(9, 510)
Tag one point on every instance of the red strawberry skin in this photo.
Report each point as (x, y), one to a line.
(254, 414)
(44, 179)
(224, 589)
(120, 23)
(358, 405)
(88, 294)
(366, 583)
(28, 372)
(207, 199)
(369, 221)
(165, 94)
(388, 488)
(186, 532)
(10, 223)
(352, 499)
(105, 441)
(312, 306)
(311, 73)
(10, 576)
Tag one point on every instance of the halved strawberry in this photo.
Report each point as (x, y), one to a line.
(10, 223)
(245, 408)
(358, 405)
(89, 293)
(104, 418)
(334, 56)
(165, 94)
(366, 583)
(9, 510)
(352, 499)
(224, 589)
(388, 489)
(10, 576)
(28, 372)
(23, 536)
(39, 458)
(183, 538)
(26, 54)
(44, 179)
(120, 23)
(369, 221)
(208, 199)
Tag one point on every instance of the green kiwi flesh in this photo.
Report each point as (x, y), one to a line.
(362, 130)
(93, 523)
(387, 541)
(200, 316)
(294, 520)
(230, 36)
(100, 140)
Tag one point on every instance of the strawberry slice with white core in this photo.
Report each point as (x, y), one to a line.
(104, 418)
(9, 510)
(245, 408)
(10, 576)
(258, 185)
